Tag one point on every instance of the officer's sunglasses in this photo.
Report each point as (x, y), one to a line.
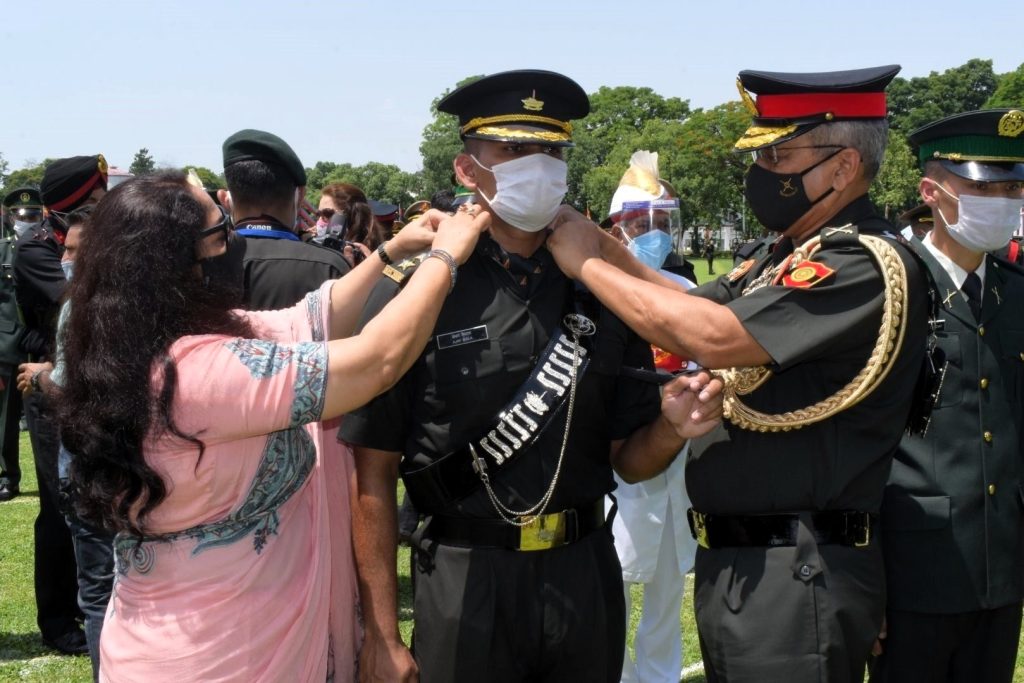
(222, 226)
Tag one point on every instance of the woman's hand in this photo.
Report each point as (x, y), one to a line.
(416, 237)
(458, 234)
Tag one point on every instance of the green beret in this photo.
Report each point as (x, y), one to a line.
(258, 145)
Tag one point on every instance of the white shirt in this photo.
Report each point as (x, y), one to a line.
(957, 274)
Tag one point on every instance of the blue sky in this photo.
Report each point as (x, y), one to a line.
(353, 82)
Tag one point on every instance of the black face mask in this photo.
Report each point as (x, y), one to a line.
(779, 199)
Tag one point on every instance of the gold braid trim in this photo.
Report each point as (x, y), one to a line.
(956, 156)
(742, 381)
(514, 134)
(564, 126)
(762, 135)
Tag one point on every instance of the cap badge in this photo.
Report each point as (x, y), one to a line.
(787, 189)
(25, 197)
(101, 164)
(748, 101)
(1012, 123)
(531, 103)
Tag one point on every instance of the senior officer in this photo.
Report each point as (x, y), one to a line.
(506, 430)
(953, 534)
(825, 339)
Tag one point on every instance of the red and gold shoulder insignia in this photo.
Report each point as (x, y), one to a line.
(806, 274)
(666, 360)
(741, 270)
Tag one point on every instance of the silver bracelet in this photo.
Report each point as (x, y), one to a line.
(449, 260)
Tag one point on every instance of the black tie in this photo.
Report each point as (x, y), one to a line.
(972, 290)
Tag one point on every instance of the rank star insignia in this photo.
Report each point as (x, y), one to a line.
(806, 274)
(531, 103)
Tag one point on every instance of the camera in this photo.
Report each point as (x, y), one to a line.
(334, 238)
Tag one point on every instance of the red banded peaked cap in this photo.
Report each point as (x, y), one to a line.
(786, 105)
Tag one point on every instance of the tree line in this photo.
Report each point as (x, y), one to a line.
(694, 146)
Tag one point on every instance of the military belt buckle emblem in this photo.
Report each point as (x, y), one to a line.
(542, 532)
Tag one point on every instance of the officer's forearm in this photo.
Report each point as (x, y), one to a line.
(375, 538)
(689, 326)
(647, 452)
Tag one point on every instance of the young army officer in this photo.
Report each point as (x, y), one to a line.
(952, 527)
(823, 340)
(506, 431)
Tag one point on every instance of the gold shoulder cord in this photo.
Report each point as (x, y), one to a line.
(742, 381)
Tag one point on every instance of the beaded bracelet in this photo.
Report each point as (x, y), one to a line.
(449, 260)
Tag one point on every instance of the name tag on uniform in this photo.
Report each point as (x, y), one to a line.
(450, 339)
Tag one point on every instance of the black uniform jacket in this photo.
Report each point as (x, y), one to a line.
(819, 338)
(454, 394)
(39, 284)
(277, 272)
(952, 516)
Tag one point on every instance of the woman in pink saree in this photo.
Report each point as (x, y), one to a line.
(205, 438)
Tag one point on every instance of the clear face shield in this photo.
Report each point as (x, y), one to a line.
(651, 229)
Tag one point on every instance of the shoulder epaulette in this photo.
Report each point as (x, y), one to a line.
(403, 270)
(841, 236)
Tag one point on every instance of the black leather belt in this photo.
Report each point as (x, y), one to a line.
(840, 527)
(540, 533)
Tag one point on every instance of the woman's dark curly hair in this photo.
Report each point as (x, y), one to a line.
(135, 291)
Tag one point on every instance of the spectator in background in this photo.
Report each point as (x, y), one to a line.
(266, 186)
(346, 216)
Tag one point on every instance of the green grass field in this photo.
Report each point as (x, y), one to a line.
(23, 657)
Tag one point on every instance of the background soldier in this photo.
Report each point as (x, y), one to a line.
(953, 535)
(40, 282)
(824, 351)
(23, 213)
(266, 186)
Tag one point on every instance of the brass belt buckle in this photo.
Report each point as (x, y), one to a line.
(542, 532)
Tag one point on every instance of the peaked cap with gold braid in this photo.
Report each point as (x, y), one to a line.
(528, 106)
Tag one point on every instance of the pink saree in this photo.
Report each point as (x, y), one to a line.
(247, 572)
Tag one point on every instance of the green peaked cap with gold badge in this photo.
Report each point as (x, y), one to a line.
(985, 145)
(528, 106)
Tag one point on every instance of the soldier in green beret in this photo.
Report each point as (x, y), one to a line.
(953, 512)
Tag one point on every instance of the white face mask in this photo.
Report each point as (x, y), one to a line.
(983, 223)
(528, 190)
(21, 227)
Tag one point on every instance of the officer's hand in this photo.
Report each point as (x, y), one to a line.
(25, 372)
(877, 648)
(692, 404)
(458, 234)
(386, 660)
(573, 240)
(416, 237)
